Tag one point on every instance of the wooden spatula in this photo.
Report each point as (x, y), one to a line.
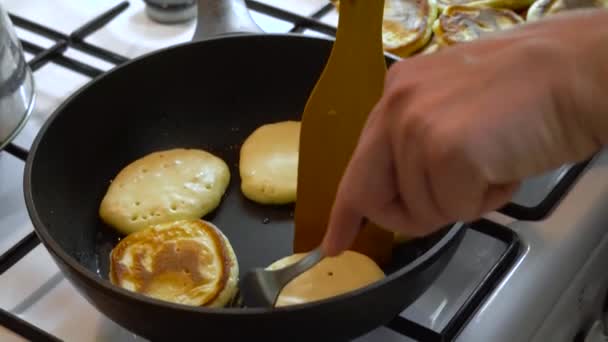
(336, 111)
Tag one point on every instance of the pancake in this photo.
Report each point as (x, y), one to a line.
(187, 262)
(407, 25)
(268, 163)
(432, 47)
(460, 24)
(442, 5)
(331, 277)
(164, 186)
(542, 8)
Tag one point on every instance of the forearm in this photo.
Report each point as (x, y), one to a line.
(597, 55)
(588, 85)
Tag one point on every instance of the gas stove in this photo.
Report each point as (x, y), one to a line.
(537, 270)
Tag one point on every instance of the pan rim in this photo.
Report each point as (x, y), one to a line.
(451, 231)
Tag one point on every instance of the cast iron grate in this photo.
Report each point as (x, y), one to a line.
(76, 40)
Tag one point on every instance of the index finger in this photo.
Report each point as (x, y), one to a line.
(367, 185)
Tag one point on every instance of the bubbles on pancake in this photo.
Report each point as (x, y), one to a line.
(164, 186)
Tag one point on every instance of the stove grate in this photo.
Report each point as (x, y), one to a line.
(77, 37)
(76, 40)
(25, 329)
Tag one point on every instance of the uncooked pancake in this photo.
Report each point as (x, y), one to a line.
(165, 186)
(268, 163)
(459, 24)
(331, 277)
(185, 262)
(542, 8)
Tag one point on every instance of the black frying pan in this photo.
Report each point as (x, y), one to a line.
(208, 94)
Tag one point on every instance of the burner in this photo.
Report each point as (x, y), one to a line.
(171, 11)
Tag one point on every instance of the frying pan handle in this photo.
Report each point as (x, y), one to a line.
(223, 17)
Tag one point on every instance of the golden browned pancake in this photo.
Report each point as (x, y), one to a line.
(542, 8)
(459, 24)
(407, 25)
(164, 186)
(331, 277)
(268, 163)
(501, 4)
(432, 47)
(188, 262)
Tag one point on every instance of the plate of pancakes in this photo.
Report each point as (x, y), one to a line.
(414, 27)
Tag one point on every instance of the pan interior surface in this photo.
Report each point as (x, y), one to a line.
(209, 95)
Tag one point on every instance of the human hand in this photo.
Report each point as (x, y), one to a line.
(457, 131)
